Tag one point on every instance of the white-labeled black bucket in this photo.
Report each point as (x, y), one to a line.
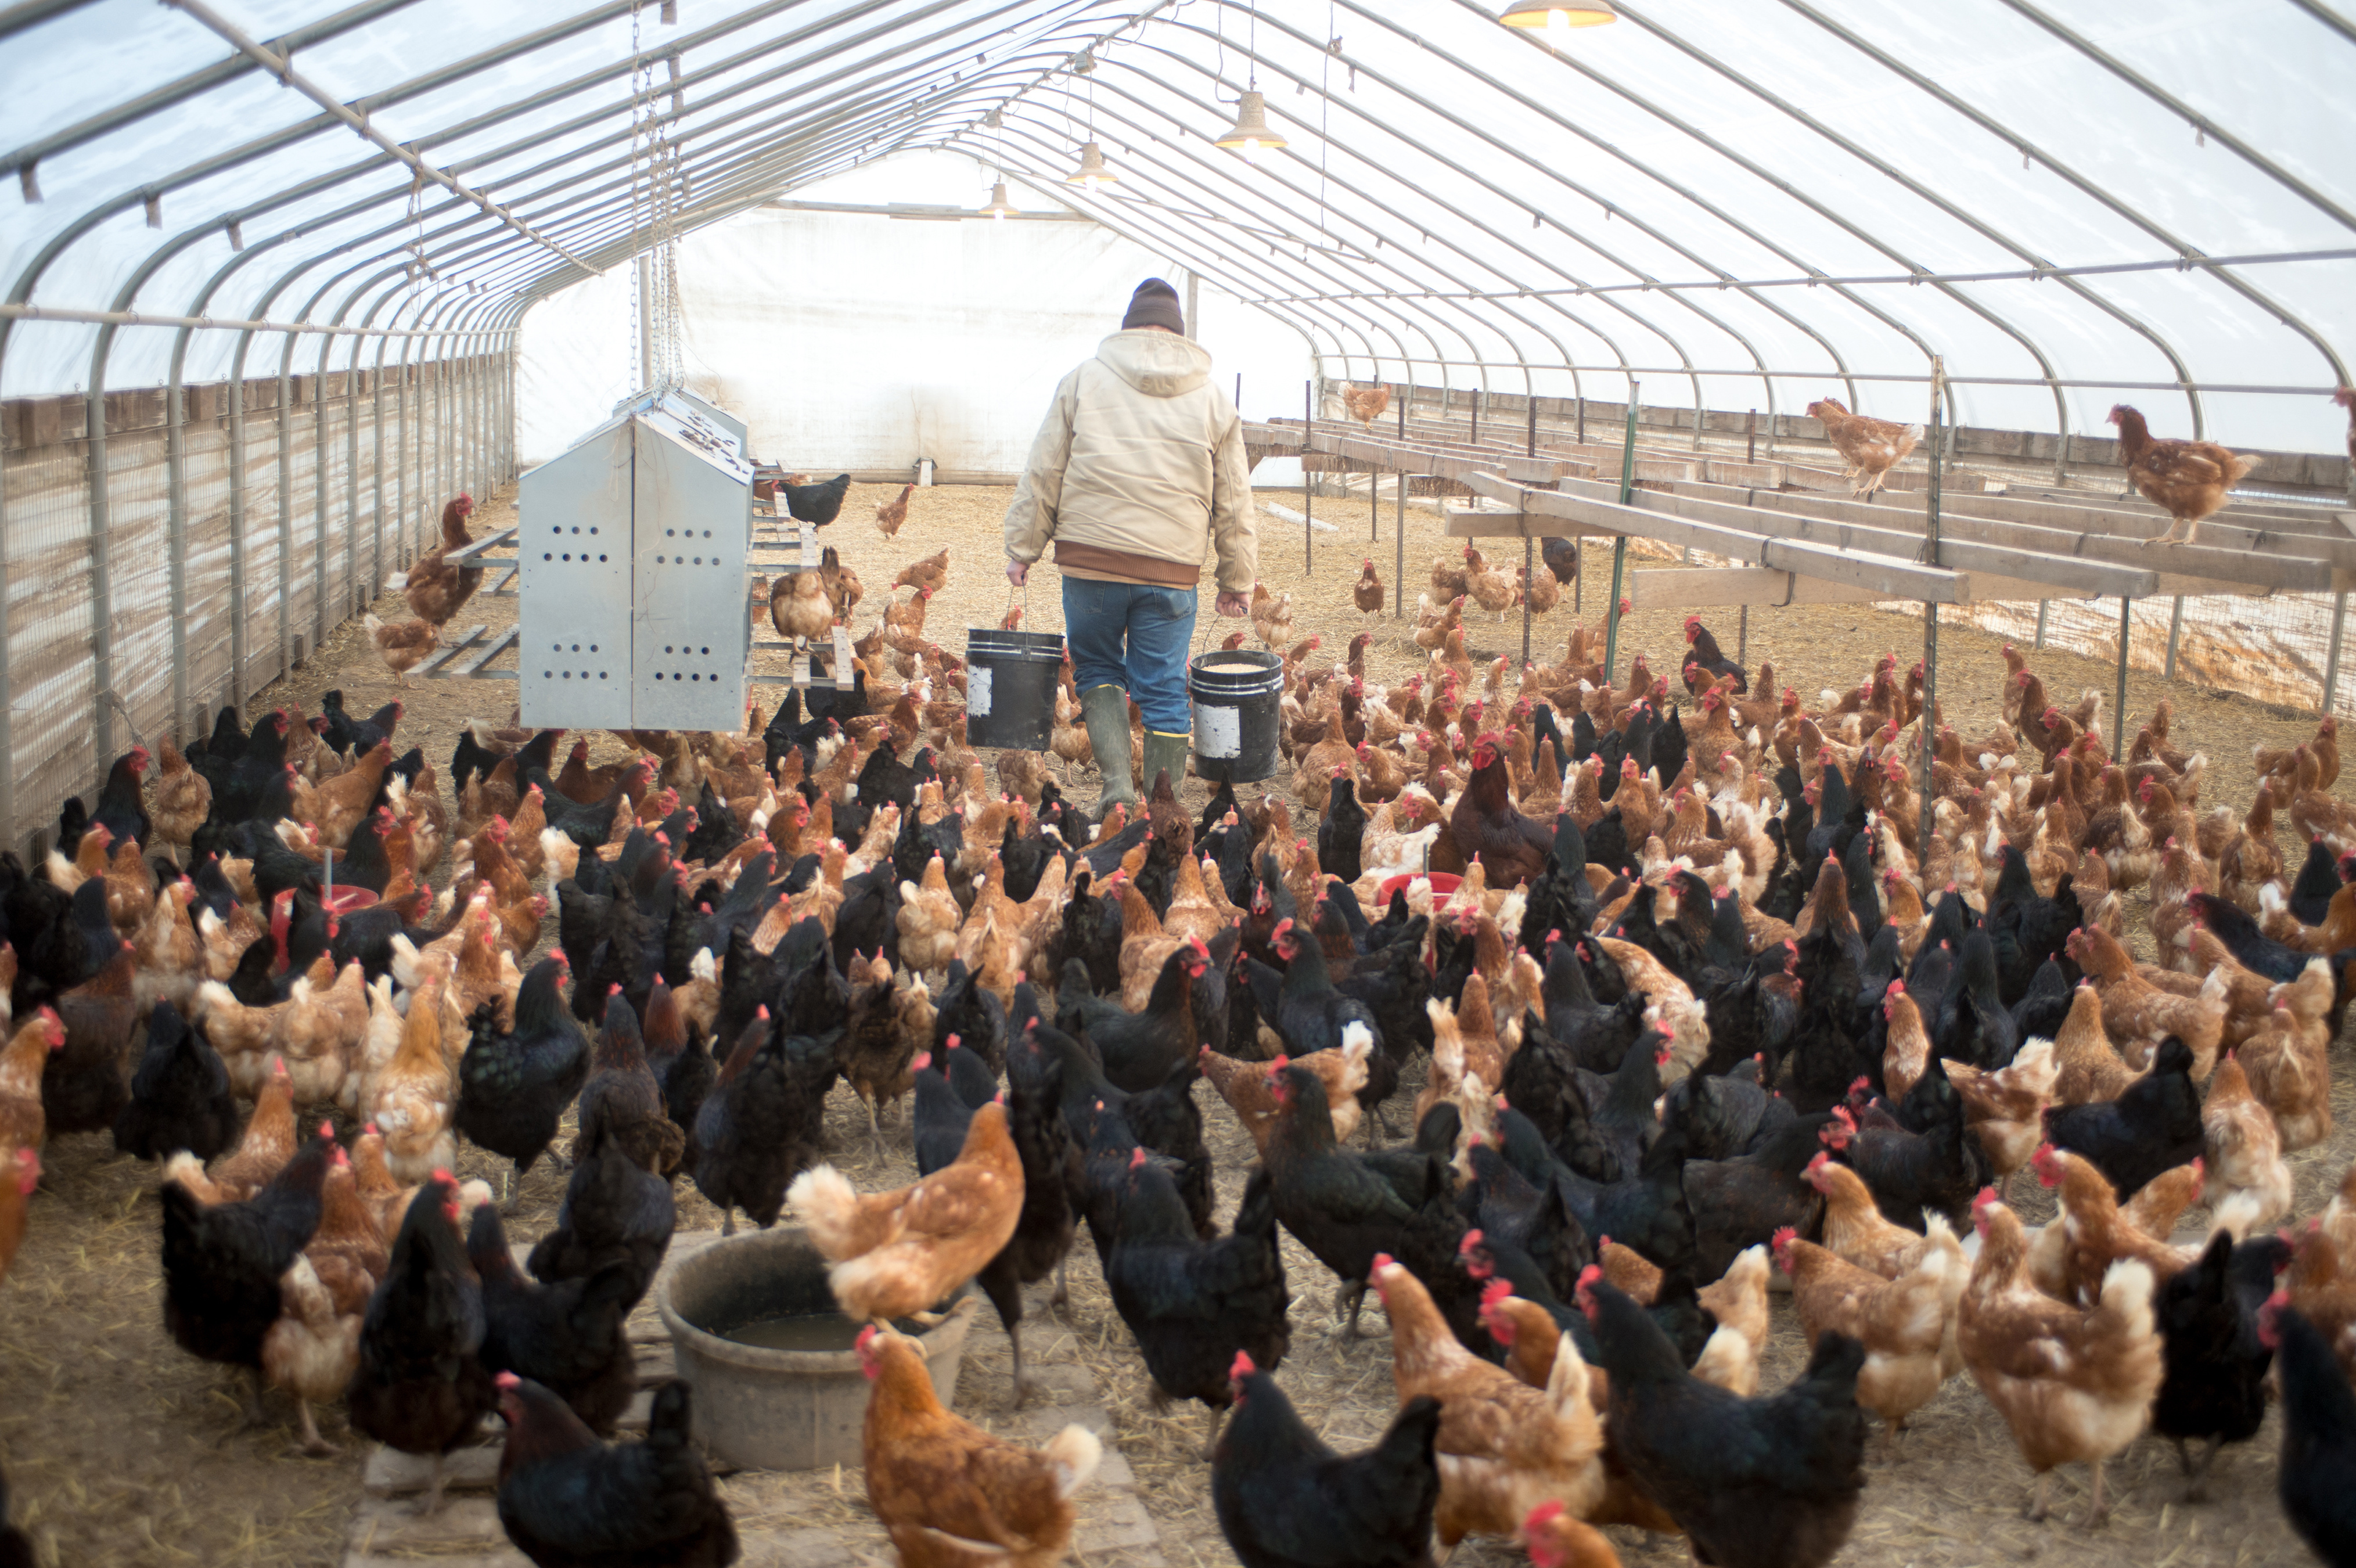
(1010, 687)
(1235, 693)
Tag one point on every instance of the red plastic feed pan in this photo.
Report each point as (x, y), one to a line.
(1443, 883)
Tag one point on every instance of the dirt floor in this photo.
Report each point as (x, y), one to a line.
(119, 1449)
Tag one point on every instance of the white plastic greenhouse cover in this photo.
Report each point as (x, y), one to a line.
(1755, 202)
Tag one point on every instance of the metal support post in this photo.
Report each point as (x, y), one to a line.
(2175, 630)
(320, 420)
(1406, 392)
(1581, 401)
(1307, 484)
(1923, 734)
(354, 596)
(2119, 706)
(1751, 438)
(1476, 416)
(285, 511)
(1398, 568)
(2331, 659)
(1374, 506)
(2044, 606)
(1619, 545)
(176, 525)
(102, 575)
(1532, 442)
(1526, 544)
(376, 466)
(237, 527)
(1743, 637)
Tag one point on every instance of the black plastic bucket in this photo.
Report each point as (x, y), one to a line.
(1009, 688)
(1235, 694)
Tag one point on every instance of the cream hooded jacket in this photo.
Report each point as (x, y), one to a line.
(1139, 458)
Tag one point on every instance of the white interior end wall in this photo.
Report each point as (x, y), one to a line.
(856, 341)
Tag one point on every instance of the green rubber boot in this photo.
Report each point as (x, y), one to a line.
(1165, 752)
(1105, 709)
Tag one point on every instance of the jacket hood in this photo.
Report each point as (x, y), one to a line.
(1159, 364)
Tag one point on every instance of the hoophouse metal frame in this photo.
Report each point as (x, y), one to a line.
(1663, 241)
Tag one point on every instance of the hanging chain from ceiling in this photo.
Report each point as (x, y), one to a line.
(655, 176)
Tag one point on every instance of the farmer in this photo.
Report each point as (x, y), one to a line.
(1138, 465)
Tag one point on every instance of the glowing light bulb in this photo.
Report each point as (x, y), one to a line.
(1251, 149)
(1557, 26)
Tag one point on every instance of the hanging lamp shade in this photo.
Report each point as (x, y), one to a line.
(1251, 133)
(1092, 171)
(999, 206)
(1558, 20)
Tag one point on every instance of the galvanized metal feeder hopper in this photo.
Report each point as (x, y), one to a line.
(633, 548)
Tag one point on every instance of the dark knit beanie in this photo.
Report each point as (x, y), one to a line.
(1155, 303)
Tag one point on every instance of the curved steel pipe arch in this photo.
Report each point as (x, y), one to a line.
(1364, 195)
(1284, 265)
(1389, 300)
(1542, 262)
(2088, 187)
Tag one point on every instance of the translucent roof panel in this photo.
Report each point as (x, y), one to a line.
(1750, 203)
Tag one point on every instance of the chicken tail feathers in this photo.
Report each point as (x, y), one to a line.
(1077, 1454)
(822, 1199)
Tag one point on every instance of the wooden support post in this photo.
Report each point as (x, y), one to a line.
(2175, 630)
(2119, 705)
(1620, 544)
(1307, 484)
(2331, 659)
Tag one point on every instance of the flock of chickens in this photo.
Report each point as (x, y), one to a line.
(1693, 995)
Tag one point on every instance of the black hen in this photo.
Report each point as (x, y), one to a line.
(2154, 1125)
(614, 1210)
(568, 1501)
(2317, 1477)
(1044, 1227)
(814, 503)
(221, 1265)
(1758, 1483)
(1194, 1305)
(420, 1388)
(2216, 1363)
(513, 1087)
(180, 1097)
(1285, 1500)
(567, 1335)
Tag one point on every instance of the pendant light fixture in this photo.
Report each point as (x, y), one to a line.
(1558, 20)
(1251, 133)
(1092, 175)
(1092, 172)
(999, 206)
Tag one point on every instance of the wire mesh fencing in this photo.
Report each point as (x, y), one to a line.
(293, 499)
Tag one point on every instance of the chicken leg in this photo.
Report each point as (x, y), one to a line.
(1211, 1438)
(313, 1443)
(2196, 1484)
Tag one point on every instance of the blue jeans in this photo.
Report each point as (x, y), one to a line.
(1156, 624)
